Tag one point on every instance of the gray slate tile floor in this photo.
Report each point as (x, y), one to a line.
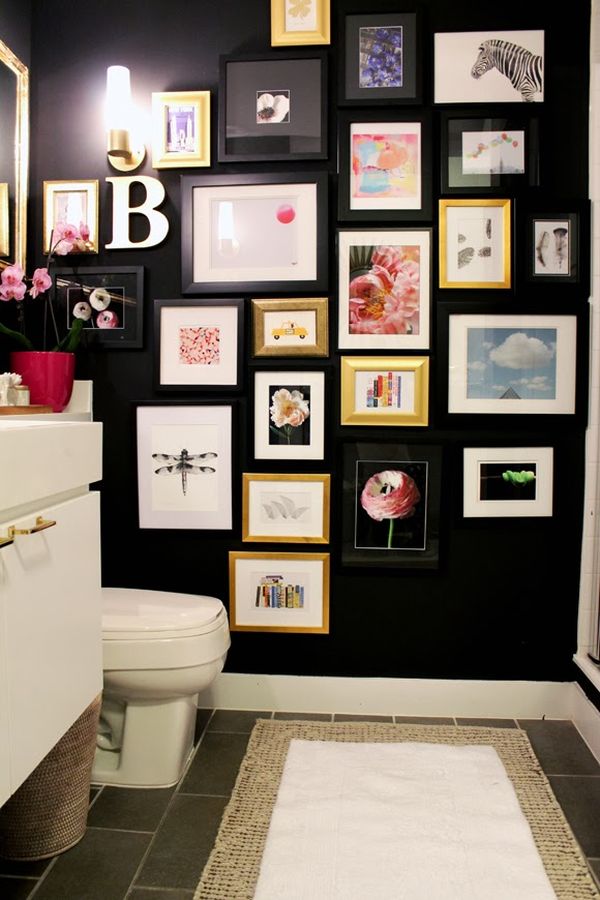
(153, 844)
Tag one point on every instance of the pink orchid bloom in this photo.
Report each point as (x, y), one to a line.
(84, 231)
(12, 275)
(391, 494)
(107, 319)
(62, 248)
(41, 281)
(12, 291)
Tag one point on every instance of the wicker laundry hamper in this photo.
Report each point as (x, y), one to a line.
(48, 813)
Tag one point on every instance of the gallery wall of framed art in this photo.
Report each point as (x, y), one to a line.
(377, 265)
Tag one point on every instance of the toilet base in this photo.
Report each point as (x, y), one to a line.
(156, 739)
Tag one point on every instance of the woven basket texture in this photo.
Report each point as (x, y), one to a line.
(48, 812)
(233, 867)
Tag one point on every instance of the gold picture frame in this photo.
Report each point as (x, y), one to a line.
(17, 205)
(290, 327)
(385, 390)
(296, 515)
(180, 129)
(72, 202)
(279, 592)
(4, 219)
(475, 243)
(300, 22)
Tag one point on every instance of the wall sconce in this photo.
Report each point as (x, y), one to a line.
(123, 153)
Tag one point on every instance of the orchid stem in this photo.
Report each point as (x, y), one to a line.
(390, 534)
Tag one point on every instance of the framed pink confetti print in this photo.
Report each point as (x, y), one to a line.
(199, 344)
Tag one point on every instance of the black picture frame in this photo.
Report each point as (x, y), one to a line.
(124, 284)
(409, 537)
(546, 256)
(353, 86)
(202, 268)
(455, 124)
(233, 355)
(245, 135)
(347, 119)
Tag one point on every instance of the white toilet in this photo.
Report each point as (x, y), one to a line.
(159, 651)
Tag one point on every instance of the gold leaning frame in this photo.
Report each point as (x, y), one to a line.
(506, 206)
(8, 58)
(88, 186)
(353, 364)
(249, 477)
(280, 37)
(4, 220)
(320, 307)
(279, 557)
(161, 157)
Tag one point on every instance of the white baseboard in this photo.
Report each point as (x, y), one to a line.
(392, 696)
(586, 718)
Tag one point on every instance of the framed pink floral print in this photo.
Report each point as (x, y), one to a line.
(289, 414)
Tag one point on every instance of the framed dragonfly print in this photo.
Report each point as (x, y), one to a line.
(379, 63)
(200, 344)
(185, 466)
(279, 592)
(273, 108)
(391, 505)
(108, 299)
(293, 509)
(289, 414)
(384, 167)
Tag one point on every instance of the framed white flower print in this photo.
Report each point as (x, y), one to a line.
(289, 416)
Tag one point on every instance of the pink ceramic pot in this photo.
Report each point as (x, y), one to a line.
(48, 375)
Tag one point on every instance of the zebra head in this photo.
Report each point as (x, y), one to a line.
(484, 61)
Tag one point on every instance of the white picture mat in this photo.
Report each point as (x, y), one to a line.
(172, 318)
(206, 238)
(304, 318)
(471, 221)
(387, 128)
(497, 157)
(362, 381)
(307, 573)
(474, 457)
(401, 237)
(455, 54)
(307, 22)
(564, 401)
(262, 402)
(301, 493)
(181, 423)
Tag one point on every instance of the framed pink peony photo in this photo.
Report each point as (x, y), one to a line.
(289, 415)
(391, 505)
(384, 289)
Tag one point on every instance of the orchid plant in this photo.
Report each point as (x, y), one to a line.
(64, 239)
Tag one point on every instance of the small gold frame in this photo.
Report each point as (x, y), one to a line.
(88, 189)
(320, 305)
(505, 205)
(418, 365)
(4, 219)
(281, 37)
(277, 559)
(248, 478)
(162, 157)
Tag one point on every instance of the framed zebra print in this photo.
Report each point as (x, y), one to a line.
(488, 154)
(489, 67)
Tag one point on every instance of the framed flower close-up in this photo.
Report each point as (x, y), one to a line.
(74, 204)
(384, 289)
(391, 505)
(380, 58)
(289, 415)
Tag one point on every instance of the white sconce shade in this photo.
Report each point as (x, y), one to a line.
(119, 121)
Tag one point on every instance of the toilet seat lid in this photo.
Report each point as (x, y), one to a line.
(157, 613)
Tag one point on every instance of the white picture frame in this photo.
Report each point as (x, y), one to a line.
(291, 425)
(507, 482)
(171, 493)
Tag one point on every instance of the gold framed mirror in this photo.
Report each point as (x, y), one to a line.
(14, 156)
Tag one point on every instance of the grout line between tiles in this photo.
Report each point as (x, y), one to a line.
(42, 878)
(118, 830)
(570, 775)
(192, 794)
(20, 877)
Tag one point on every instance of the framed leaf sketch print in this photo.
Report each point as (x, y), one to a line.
(475, 244)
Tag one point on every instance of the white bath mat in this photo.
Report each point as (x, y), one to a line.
(399, 821)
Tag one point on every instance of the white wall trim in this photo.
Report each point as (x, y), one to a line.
(586, 718)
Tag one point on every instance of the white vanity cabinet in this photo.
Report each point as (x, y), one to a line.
(50, 602)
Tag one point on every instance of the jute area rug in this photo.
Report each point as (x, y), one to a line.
(233, 867)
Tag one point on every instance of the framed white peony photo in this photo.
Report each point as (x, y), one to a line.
(289, 415)
(391, 505)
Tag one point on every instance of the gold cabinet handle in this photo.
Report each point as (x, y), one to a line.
(6, 541)
(40, 525)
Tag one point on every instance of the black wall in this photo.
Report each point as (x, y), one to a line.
(503, 602)
(15, 28)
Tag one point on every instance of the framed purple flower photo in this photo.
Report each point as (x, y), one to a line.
(289, 415)
(391, 505)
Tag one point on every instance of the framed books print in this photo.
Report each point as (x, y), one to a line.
(379, 390)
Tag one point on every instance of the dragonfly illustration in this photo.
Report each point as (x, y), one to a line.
(183, 464)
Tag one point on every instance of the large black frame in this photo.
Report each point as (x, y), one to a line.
(303, 75)
(190, 183)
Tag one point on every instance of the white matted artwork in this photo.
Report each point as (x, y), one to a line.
(512, 364)
(493, 152)
(385, 170)
(301, 15)
(290, 327)
(489, 67)
(184, 466)
(552, 247)
(279, 591)
(289, 415)
(475, 243)
(507, 481)
(289, 508)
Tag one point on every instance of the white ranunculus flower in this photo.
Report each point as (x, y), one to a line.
(82, 310)
(289, 408)
(100, 299)
(271, 110)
